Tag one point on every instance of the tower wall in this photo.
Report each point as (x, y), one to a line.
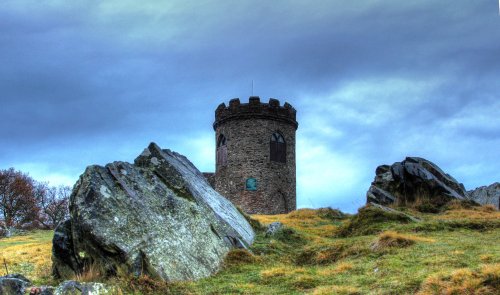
(248, 129)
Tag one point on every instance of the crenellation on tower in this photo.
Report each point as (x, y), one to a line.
(274, 103)
(255, 158)
(255, 108)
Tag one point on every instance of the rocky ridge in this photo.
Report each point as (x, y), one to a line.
(414, 180)
(487, 194)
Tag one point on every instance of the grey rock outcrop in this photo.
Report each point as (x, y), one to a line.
(414, 179)
(13, 284)
(487, 195)
(158, 216)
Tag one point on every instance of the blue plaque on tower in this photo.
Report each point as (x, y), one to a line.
(251, 184)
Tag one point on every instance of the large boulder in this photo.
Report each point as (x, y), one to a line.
(158, 217)
(414, 180)
(487, 195)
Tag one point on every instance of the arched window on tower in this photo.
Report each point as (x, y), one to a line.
(278, 148)
(221, 151)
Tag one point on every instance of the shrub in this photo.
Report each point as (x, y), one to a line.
(340, 290)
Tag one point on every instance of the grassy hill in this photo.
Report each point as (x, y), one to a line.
(324, 252)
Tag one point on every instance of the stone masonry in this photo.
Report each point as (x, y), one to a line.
(245, 173)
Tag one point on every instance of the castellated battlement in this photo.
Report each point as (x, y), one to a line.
(255, 109)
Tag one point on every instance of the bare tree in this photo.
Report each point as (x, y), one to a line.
(17, 200)
(53, 203)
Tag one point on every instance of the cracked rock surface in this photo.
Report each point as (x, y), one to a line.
(414, 180)
(158, 217)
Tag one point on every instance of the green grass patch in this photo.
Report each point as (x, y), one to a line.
(454, 250)
(370, 220)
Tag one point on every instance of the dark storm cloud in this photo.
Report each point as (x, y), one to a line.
(373, 81)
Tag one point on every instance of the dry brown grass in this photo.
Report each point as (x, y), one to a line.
(488, 208)
(315, 222)
(392, 239)
(340, 290)
(487, 258)
(297, 277)
(464, 281)
(280, 272)
(91, 273)
(27, 255)
(481, 213)
(340, 267)
(328, 253)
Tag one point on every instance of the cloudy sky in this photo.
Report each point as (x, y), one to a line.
(91, 82)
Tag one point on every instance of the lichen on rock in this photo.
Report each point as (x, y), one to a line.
(157, 217)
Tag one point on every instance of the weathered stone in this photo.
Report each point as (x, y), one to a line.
(158, 217)
(273, 228)
(487, 195)
(414, 179)
(13, 284)
(64, 262)
(77, 288)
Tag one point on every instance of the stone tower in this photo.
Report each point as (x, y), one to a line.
(255, 155)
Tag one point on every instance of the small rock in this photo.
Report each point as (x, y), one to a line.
(273, 228)
(77, 288)
(13, 284)
(42, 290)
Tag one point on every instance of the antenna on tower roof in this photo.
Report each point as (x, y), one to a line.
(252, 87)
